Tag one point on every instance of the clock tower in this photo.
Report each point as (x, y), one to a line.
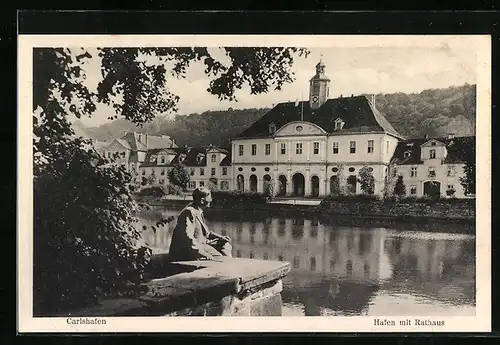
(319, 86)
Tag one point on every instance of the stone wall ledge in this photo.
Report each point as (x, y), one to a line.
(229, 286)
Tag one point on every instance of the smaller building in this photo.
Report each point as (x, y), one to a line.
(207, 166)
(431, 165)
(131, 149)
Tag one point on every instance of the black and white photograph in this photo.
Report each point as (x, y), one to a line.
(325, 182)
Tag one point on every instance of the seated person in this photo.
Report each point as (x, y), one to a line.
(191, 238)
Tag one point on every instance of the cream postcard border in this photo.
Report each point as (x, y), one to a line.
(27, 323)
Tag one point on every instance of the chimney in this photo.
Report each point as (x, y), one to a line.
(173, 142)
(451, 135)
(426, 137)
(373, 100)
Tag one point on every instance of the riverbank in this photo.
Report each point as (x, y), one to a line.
(405, 210)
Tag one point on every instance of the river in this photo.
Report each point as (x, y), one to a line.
(351, 270)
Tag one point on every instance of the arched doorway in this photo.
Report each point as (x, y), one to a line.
(240, 183)
(282, 185)
(432, 188)
(351, 184)
(268, 186)
(298, 182)
(334, 185)
(315, 186)
(253, 183)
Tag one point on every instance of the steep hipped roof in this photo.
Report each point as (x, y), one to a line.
(134, 143)
(357, 112)
(456, 147)
(154, 152)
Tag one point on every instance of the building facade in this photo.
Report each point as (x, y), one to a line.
(207, 166)
(431, 165)
(315, 147)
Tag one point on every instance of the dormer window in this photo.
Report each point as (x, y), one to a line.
(199, 158)
(152, 159)
(339, 124)
(162, 159)
(182, 157)
(433, 143)
(272, 128)
(409, 144)
(407, 154)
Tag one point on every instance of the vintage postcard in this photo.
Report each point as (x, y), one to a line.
(303, 183)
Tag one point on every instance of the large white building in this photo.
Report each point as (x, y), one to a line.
(311, 148)
(317, 147)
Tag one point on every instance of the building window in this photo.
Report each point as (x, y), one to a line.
(123, 154)
(213, 158)
(192, 184)
(432, 153)
(407, 154)
(280, 258)
(352, 146)
(432, 172)
(296, 262)
(202, 171)
(451, 171)
(238, 253)
(283, 148)
(202, 184)
(213, 171)
(413, 190)
(433, 143)
(162, 159)
(335, 147)
(451, 187)
(224, 171)
(371, 144)
(298, 148)
(272, 128)
(191, 171)
(224, 185)
(313, 264)
(268, 149)
(144, 172)
(413, 171)
(162, 172)
(240, 150)
(316, 148)
(162, 181)
(266, 256)
(254, 149)
(394, 172)
(339, 124)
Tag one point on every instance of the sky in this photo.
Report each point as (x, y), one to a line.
(352, 70)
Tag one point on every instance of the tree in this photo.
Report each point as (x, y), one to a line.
(467, 153)
(400, 188)
(178, 176)
(366, 180)
(85, 240)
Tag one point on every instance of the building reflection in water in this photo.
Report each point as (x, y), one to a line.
(337, 270)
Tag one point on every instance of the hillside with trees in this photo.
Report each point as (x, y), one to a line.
(434, 112)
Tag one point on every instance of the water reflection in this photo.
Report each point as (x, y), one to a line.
(346, 270)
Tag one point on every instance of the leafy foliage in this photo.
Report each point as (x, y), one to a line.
(85, 242)
(399, 187)
(366, 181)
(179, 176)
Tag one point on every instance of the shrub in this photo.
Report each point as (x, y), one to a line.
(221, 199)
(400, 188)
(155, 191)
